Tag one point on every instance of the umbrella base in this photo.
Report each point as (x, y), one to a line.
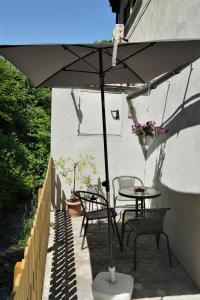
(122, 289)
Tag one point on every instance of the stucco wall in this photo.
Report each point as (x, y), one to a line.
(158, 19)
(173, 161)
(125, 153)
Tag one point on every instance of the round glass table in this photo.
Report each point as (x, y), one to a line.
(140, 196)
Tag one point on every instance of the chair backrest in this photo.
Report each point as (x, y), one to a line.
(91, 201)
(152, 219)
(124, 182)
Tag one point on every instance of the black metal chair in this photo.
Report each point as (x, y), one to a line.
(150, 222)
(95, 208)
(93, 188)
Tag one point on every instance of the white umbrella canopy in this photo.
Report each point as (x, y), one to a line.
(91, 65)
(78, 65)
(86, 65)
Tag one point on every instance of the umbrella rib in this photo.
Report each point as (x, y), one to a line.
(111, 69)
(125, 66)
(123, 60)
(63, 69)
(131, 55)
(81, 71)
(91, 46)
(81, 58)
(39, 85)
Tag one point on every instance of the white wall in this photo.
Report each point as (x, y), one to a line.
(173, 163)
(125, 153)
(158, 19)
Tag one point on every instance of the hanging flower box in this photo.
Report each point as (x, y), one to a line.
(147, 132)
(145, 139)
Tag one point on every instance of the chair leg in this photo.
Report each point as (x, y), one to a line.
(168, 247)
(120, 216)
(135, 248)
(157, 235)
(114, 203)
(117, 231)
(85, 231)
(99, 224)
(136, 207)
(112, 226)
(128, 237)
(123, 230)
(143, 204)
(82, 225)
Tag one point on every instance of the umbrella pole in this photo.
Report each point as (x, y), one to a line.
(107, 183)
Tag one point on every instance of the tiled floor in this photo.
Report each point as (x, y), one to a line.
(154, 278)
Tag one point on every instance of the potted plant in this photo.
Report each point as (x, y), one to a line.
(78, 174)
(147, 131)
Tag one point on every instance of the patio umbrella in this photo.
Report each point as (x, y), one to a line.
(91, 65)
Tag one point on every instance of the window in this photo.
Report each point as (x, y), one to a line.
(131, 5)
(127, 11)
(90, 107)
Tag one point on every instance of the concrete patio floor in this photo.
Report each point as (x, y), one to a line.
(69, 270)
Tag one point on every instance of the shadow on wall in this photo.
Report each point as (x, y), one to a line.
(182, 221)
(133, 116)
(58, 195)
(77, 107)
(185, 116)
(170, 196)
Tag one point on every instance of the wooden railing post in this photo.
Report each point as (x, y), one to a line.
(29, 273)
(17, 270)
(39, 194)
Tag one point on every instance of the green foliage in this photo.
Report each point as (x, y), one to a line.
(24, 136)
(103, 42)
(21, 237)
(78, 170)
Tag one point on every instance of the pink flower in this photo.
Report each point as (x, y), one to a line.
(149, 128)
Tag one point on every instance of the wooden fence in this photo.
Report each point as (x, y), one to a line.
(29, 273)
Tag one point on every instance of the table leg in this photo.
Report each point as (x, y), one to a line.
(142, 206)
(143, 203)
(136, 206)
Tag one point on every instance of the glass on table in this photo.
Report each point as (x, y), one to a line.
(139, 189)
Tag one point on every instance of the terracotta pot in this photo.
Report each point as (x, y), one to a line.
(145, 140)
(74, 207)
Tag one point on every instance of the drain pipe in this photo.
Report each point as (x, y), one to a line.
(153, 85)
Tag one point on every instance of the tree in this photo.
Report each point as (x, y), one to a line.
(24, 135)
(103, 41)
